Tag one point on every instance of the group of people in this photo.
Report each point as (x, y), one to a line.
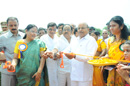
(59, 58)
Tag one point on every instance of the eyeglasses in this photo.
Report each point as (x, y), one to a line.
(33, 32)
(66, 29)
(52, 29)
(81, 28)
(42, 33)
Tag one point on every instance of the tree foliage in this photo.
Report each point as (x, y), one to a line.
(99, 30)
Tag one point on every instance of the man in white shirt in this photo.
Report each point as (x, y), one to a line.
(60, 28)
(50, 40)
(7, 44)
(61, 45)
(105, 36)
(82, 72)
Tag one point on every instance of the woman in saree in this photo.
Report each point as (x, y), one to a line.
(115, 51)
(28, 60)
(101, 51)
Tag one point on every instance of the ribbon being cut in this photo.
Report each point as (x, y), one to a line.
(98, 61)
(62, 62)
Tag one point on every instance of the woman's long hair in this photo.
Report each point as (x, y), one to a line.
(28, 28)
(124, 32)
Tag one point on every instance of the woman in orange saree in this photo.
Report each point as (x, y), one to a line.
(101, 51)
(115, 51)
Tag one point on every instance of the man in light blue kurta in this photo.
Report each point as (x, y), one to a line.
(7, 43)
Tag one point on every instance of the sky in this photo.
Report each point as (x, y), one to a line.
(40, 12)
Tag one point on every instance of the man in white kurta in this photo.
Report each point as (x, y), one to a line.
(82, 72)
(50, 40)
(61, 45)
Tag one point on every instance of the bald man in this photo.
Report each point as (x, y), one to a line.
(105, 34)
(82, 72)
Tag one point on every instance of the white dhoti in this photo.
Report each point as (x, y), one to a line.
(52, 72)
(8, 80)
(81, 83)
(64, 79)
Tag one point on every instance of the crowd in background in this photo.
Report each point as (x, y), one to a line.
(36, 54)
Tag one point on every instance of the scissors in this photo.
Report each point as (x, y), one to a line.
(7, 63)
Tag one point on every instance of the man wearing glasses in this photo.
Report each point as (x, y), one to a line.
(61, 45)
(105, 34)
(50, 40)
(82, 72)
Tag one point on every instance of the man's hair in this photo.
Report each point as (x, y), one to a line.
(3, 23)
(97, 33)
(51, 24)
(40, 28)
(92, 28)
(12, 18)
(75, 30)
(60, 25)
(68, 25)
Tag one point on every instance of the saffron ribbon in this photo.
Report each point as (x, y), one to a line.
(97, 57)
(62, 62)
